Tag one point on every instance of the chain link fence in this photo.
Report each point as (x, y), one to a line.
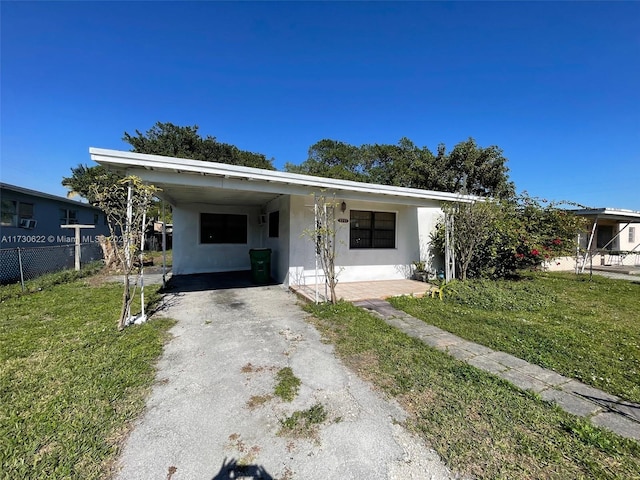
(26, 263)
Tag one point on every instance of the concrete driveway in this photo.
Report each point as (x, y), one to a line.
(212, 413)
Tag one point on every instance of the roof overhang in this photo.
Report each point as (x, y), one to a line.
(184, 181)
(612, 214)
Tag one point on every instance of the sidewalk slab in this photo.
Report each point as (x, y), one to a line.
(487, 364)
(618, 424)
(547, 376)
(628, 409)
(587, 392)
(507, 360)
(570, 403)
(441, 341)
(523, 381)
(474, 348)
(459, 353)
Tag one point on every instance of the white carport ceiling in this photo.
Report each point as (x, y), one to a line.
(181, 194)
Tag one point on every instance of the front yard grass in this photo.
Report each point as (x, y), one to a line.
(480, 424)
(70, 383)
(588, 330)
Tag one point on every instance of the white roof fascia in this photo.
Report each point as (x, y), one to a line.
(619, 214)
(181, 165)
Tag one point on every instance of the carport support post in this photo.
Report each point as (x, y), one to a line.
(587, 252)
(143, 317)
(449, 251)
(315, 225)
(164, 248)
(77, 229)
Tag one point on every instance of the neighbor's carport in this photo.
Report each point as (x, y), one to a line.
(604, 236)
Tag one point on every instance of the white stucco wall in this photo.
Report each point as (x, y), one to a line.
(413, 226)
(279, 246)
(427, 220)
(190, 256)
(630, 237)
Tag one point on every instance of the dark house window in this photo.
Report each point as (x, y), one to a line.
(604, 238)
(13, 211)
(8, 215)
(25, 210)
(223, 228)
(274, 224)
(68, 216)
(372, 229)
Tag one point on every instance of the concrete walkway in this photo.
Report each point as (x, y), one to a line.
(601, 408)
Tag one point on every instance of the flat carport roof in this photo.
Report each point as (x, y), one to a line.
(186, 181)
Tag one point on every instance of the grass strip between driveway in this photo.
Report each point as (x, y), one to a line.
(587, 330)
(480, 424)
(70, 383)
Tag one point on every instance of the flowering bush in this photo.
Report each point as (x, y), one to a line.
(523, 233)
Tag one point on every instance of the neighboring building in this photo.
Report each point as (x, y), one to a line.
(222, 211)
(612, 238)
(29, 218)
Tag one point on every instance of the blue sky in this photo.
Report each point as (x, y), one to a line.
(555, 85)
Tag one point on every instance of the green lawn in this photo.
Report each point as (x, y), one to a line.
(581, 329)
(480, 424)
(70, 383)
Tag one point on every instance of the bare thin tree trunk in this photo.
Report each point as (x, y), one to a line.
(126, 303)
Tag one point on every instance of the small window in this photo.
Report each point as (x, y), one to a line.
(68, 216)
(25, 210)
(8, 215)
(632, 234)
(372, 229)
(274, 224)
(223, 228)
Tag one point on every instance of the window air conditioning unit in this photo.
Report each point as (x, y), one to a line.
(28, 223)
(262, 219)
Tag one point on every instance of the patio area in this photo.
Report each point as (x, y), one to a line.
(354, 291)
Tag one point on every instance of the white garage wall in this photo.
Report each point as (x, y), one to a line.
(190, 256)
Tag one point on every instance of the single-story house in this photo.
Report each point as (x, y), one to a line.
(222, 211)
(612, 238)
(29, 218)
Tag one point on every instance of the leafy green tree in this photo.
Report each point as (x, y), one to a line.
(403, 165)
(184, 142)
(468, 168)
(84, 177)
(474, 170)
(332, 159)
(169, 140)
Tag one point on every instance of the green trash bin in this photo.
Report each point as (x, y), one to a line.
(260, 265)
